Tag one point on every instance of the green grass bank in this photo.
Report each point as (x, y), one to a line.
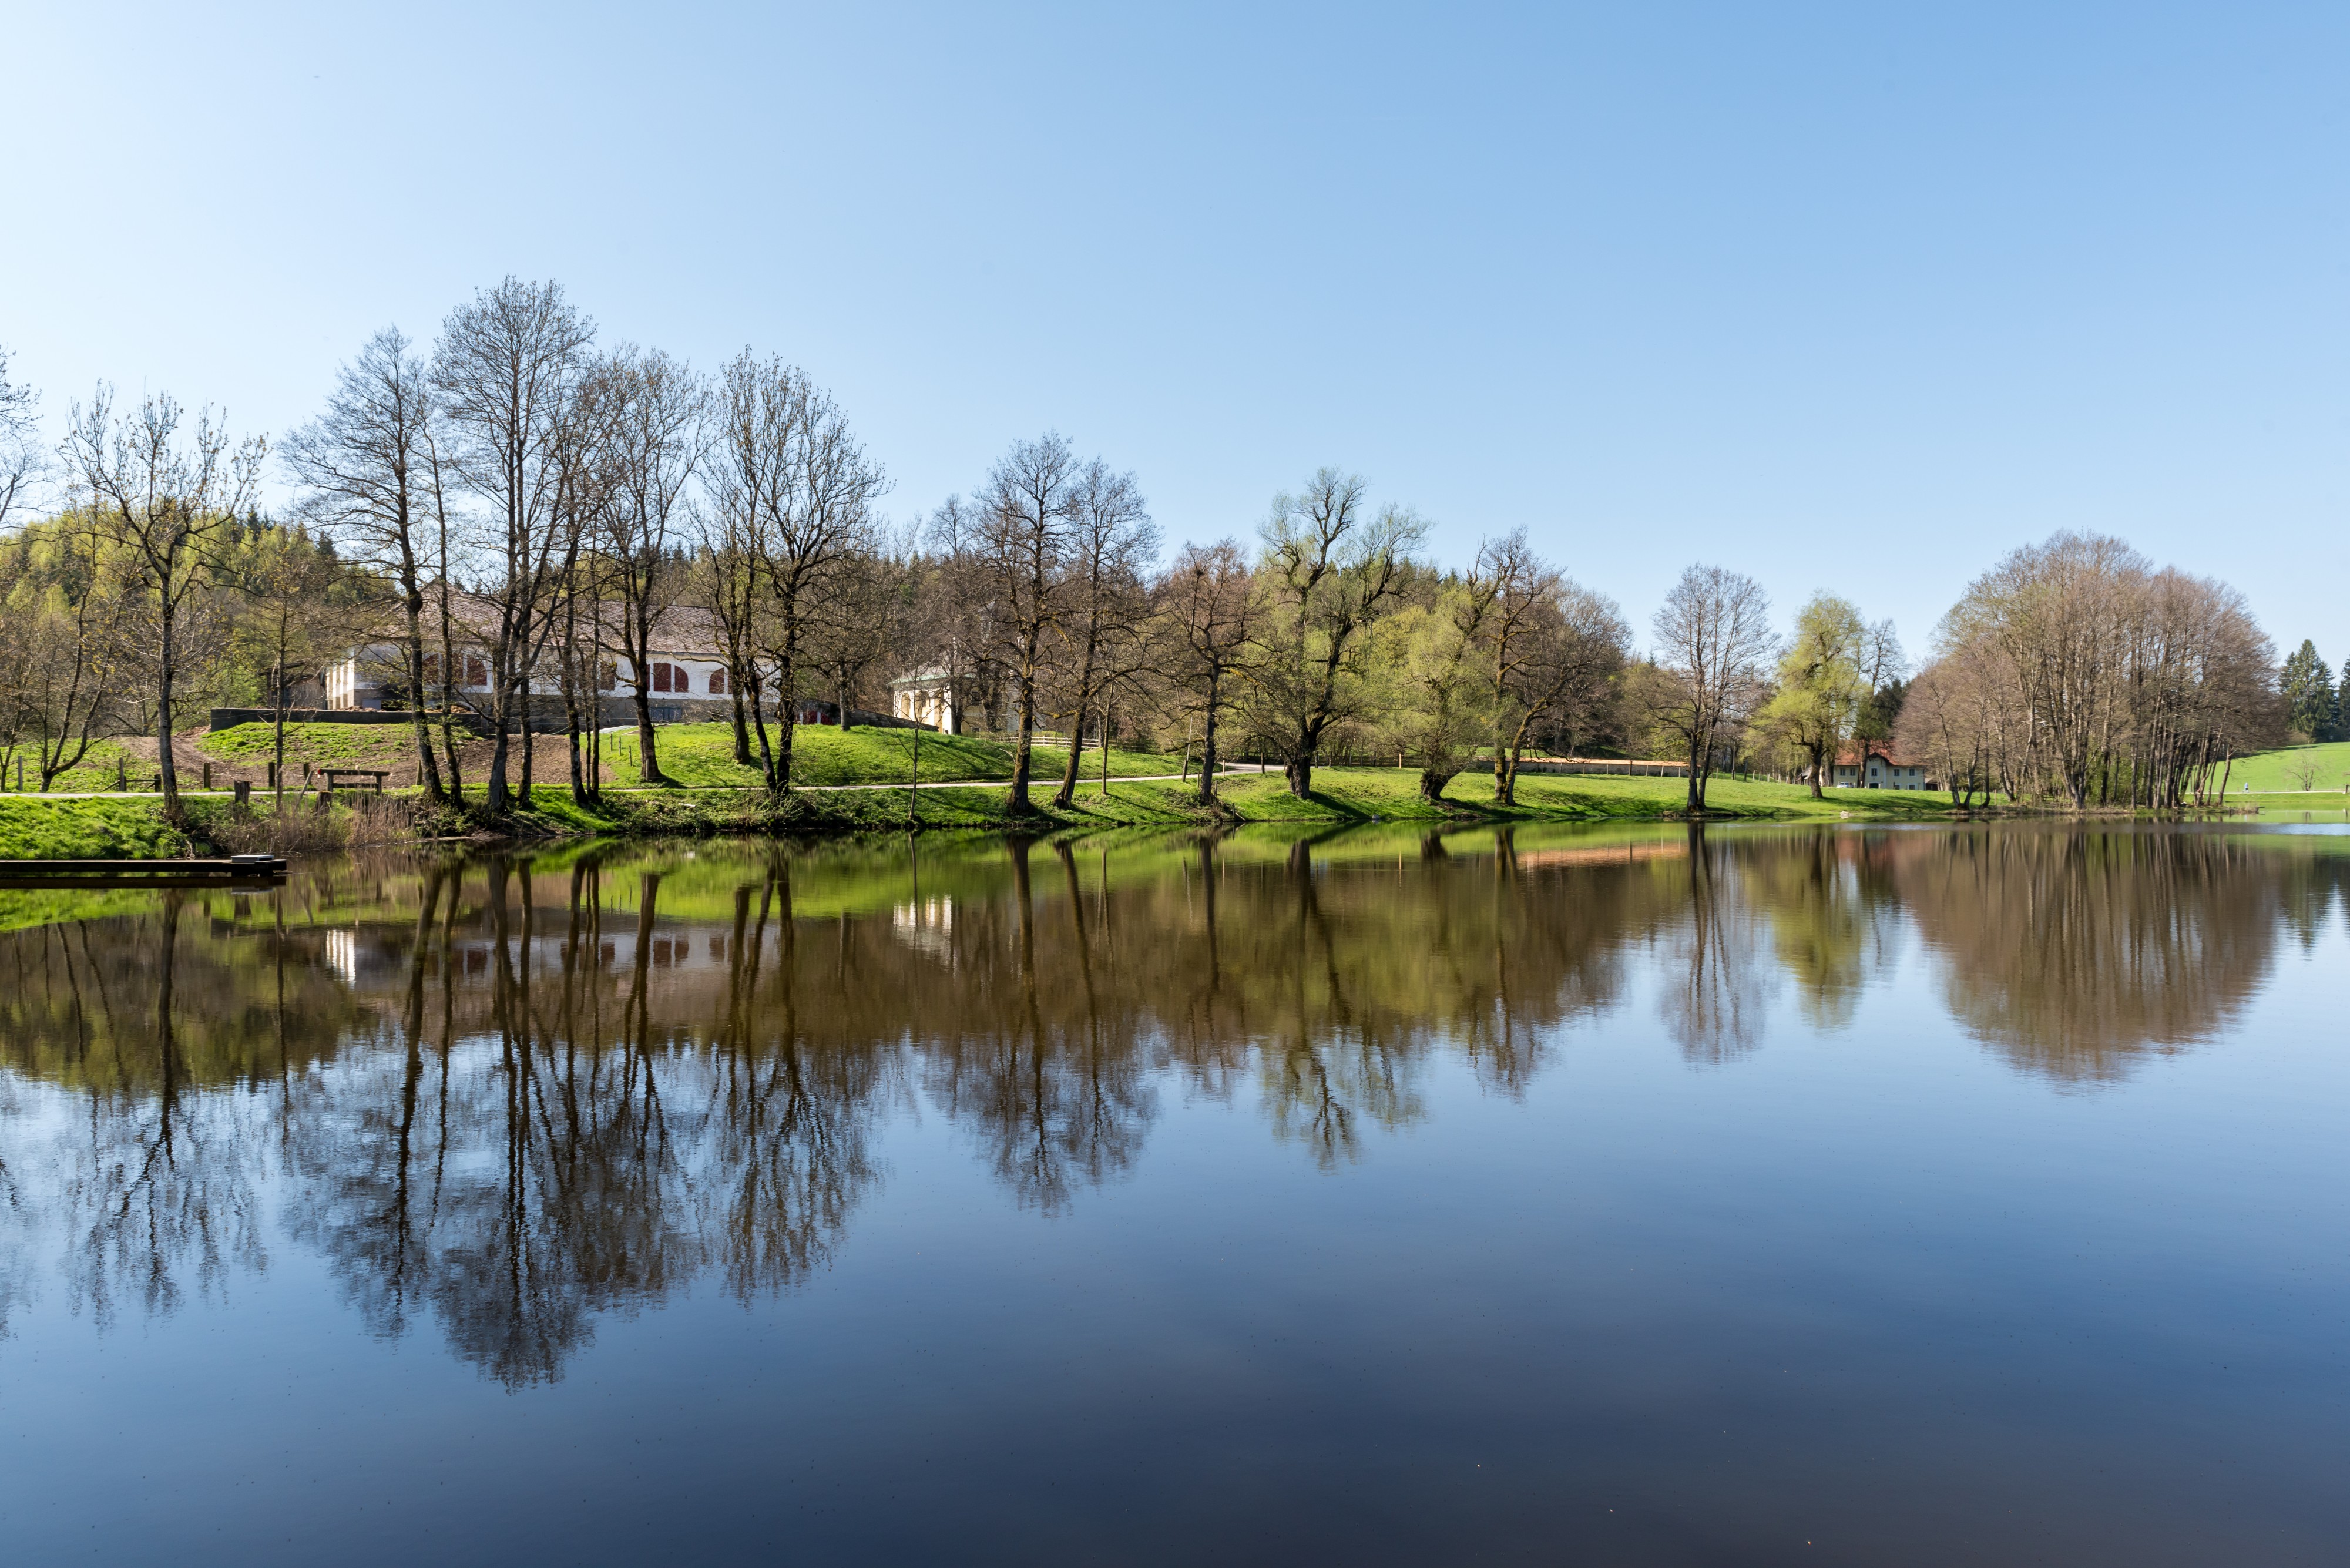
(128, 827)
(854, 783)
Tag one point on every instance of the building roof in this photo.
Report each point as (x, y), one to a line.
(680, 631)
(1850, 757)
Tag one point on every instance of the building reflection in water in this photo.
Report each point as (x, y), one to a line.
(510, 1095)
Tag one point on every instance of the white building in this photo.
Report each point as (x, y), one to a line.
(927, 697)
(1878, 769)
(687, 675)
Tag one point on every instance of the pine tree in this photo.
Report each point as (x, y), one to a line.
(2308, 688)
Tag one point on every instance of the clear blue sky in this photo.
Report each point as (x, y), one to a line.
(1855, 296)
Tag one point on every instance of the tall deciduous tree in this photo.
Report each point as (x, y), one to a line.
(1438, 657)
(1208, 614)
(365, 475)
(793, 487)
(165, 495)
(507, 371)
(2104, 681)
(23, 463)
(1554, 650)
(1330, 569)
(862, 616)
(653, 433)
(1713, 645)
(1018, 541)
(1884, 668)
(1822, 687)
(1111, 544)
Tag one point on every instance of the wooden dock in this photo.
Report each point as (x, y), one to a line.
(234, 870)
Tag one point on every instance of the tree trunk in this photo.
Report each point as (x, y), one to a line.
(914, 781)
(788, 661)
(167, 776)
(1432, 785)
(1208, 763)
(640, 694)
(281, 732)
(428, 770)
(500, 799)
(742, 757)
(529, 748)
(580, 794)
(449, 696)
(1298, 773)
(1067, 795)
(779, 764)
(1021, 759)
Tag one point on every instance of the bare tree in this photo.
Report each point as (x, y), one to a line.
(440, 472)
(1554, 650)
(164, 498)
(507, 371)
(862, 613)
(2054, 613)
(653, 441)
(23, 463)
(1713, 642)
(1947, 721)
(1329, 571)
(2111, 683)
(1111, 543)
(959, 620)
(725, 583)
(1018, 544)
(365, 474)
(789, 475)
(1208, 614)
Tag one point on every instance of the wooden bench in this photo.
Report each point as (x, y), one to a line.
(335, 777)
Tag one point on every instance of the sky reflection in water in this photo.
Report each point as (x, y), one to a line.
(1912, 1195)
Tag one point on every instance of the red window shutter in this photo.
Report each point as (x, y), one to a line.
(718, 683)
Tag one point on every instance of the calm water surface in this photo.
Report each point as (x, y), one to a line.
(1755, 1196)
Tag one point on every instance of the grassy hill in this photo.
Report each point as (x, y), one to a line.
(2280, 771)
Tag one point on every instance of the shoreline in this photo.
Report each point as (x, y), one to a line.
(41, 827)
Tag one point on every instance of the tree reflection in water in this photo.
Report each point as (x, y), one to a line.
(511, 1095)
(2074, 954)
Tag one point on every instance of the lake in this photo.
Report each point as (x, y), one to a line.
(1629, 1195)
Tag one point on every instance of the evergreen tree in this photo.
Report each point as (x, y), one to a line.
(2308, 688)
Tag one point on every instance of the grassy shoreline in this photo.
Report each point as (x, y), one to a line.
(32, 828)
(853, 781)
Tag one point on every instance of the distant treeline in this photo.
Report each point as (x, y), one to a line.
(519, 515)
